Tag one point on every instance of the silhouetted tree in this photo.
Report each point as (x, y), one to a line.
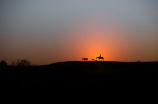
(3, 63)
(22, 63)
(13, 63)
(137, 61)
(93, 59)
(84, 59)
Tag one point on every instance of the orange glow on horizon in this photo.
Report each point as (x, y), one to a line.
(93, 37)
(86, 41)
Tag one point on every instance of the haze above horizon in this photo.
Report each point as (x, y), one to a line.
(49, 31)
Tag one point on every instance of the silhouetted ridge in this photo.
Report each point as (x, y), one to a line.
(82, 72)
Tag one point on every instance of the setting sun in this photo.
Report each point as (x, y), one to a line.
(48, 31)
(92, 38)
(90, 43)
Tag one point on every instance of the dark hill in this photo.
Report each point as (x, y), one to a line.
(82, 72)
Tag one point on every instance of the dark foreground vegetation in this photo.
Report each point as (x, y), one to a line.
(132, 77)
(82, 72)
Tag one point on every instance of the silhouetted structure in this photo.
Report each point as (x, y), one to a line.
(85, 59)
(100, 57)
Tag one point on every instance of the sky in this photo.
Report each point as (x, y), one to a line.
(49, 31)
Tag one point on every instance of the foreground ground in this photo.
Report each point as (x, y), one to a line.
(81, 72)
(138, 78)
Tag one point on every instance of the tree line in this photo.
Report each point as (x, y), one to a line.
(18, 63)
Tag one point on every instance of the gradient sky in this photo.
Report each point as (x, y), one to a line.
(48, 31)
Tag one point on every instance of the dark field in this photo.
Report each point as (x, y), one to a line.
(82, 72)
(116, 78)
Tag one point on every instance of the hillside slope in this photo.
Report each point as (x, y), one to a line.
(81, 72)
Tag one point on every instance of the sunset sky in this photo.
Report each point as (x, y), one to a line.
(49, 31)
